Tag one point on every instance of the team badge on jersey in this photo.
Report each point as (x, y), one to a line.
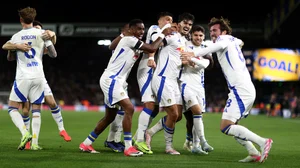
(135, 57)
(122, 94)
(189, 102)
(180, 49)
(169, 100)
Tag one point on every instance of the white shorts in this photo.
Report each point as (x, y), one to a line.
(113, 90)
(144, 77)
(48, 91)
(166, 90)
(239, 103)
(192, 95)
(24, 89)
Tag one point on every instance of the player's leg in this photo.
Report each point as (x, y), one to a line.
(204, 143)
(118, 135)
(18, 96)
(254, 154)
(56, 112)
(169, 128)
(193, 117)
(236, 104)
(26, 114)
(36, 97)
(171, 101)
(144, 76)
(198, 127)
(128, 108)
(113, 133)
(156, 86)
(36, 126)
(26, 119)
(143, 123)
(86, 145)
(189, 130)
(119, 119)
(19, 123)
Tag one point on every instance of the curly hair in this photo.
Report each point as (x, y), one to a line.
(224, 24)
(27, 14)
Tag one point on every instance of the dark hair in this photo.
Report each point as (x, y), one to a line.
(163, 14)
(197, 28)
(134, 22)
(224, 24)
(27, 14)
(186, 16)
(37, 23)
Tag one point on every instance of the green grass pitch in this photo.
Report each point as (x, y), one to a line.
(57, 153)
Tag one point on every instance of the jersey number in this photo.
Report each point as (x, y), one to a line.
(31, 53)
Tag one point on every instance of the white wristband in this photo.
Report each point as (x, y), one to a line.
(150, 58)
(165, 27)
(121, 35)
(162, 36)
(48, 43)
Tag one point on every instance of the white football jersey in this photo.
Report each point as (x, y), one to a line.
(232, 61)
(123, 58)
(29, 64)
(154, 29)
(193, 75)
(169, 62)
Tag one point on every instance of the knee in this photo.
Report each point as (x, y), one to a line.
(129, 109)
(174, 117)
(52, 104)
(179, 117)
(225, 128)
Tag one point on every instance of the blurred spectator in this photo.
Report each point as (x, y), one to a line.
(271, 111)
(285, 110)
(295, 106)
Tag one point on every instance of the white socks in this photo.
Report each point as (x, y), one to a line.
(243, 133)
(248, 145)
(144, 119)
(17, 120)
(156, 128)
(56, 114)
(36, 125)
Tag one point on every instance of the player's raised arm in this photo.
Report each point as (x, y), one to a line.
(151, 48)
(51, 49)
(212, 48)
(115, 42)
